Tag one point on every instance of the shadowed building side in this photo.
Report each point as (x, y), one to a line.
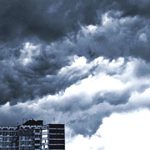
(53, 137)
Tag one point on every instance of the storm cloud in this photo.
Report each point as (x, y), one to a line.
(34, 68)
(51, 20)
(79, 61)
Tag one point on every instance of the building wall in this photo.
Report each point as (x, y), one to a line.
(26, 138)
(56, 136)
(30, 136)
(45, 138)
(8, 138)
(33, 135)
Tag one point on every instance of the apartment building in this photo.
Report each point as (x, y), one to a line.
(53, 137)
(33, 135)
(8, 138)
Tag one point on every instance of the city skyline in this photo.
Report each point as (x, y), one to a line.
(32, 135)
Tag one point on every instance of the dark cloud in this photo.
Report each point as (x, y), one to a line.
(50, 20)
(34, 69)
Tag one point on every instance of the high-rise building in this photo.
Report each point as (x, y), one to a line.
(33, 135)
(30, 135)
(8, 138)
(53, 137)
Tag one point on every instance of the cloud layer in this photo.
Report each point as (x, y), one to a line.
(31, 66)
(107, 87)
(79, 61)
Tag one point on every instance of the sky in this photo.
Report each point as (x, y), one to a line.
(79, 62)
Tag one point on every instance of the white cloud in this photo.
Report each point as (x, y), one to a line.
(94, 84)
(140, 97)
(106, 20)
(143, 37)
(87, 143)
(28, 52)
(125, 131)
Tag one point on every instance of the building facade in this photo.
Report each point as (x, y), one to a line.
(33, 135)
(8, 138)
(53, 137)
